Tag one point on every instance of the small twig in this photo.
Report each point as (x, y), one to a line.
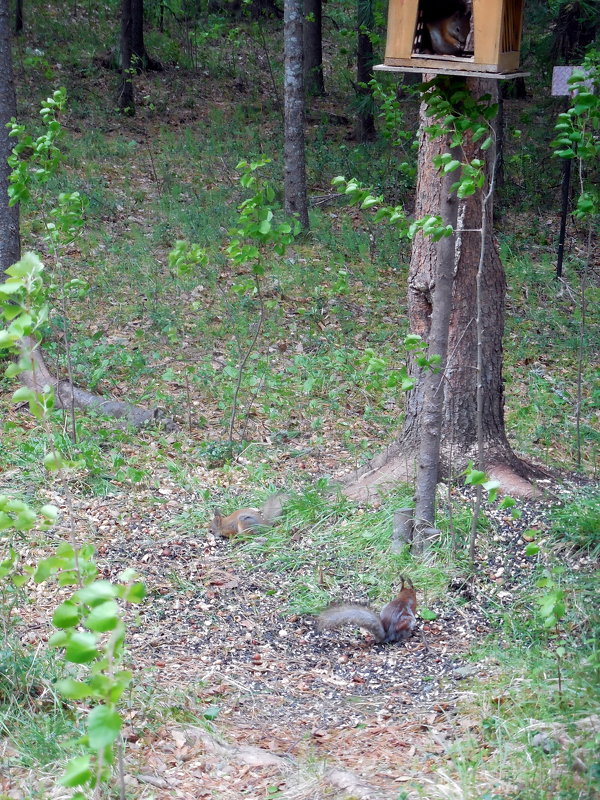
(121, 768)
(250, 404)
(244, 360)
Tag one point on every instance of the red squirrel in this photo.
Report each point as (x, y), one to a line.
(448, 23)
(248, 519)
(394, 623)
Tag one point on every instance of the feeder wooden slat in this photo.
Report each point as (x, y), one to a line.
(496, 38)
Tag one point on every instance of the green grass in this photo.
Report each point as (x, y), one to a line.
(530, 739)
(336, 302)
(576, 524)
(32, 716)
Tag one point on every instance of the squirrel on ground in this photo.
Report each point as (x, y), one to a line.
(248, 520)
(394, 623)
(448, 23)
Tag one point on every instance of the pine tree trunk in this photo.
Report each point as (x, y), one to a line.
(313, 48)
(459, 424)
(10, 245)
(295, 197)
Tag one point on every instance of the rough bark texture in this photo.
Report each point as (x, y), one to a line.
(296, 202)
(313, 48)
(10, 248)
(459, 426)
(126, 101)
(364, 127)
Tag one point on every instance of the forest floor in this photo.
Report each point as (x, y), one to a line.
(284, 711)
(235, 693)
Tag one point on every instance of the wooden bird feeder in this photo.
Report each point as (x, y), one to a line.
(492, 47)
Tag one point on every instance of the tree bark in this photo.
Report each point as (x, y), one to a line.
(10, 245)
(141, 61)
(313, 48)
(295, 196)
(18, 17)
(459, 422)
(364, 127)
(126, 99)
(433, 382)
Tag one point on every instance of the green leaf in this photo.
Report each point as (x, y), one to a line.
(104, 617)
(532, 549)
(451, 166)
(135, 593)
(475, 477)
(77, 772)
(103, 726)
(24, 395)
(81, 648)
(74, 690)
(5, 521)
(58, 639)
(370, 201)
(66, 615)
(25, 520)
(97, 592)
(53, 461)
(50, 512)
(212, 712)
(427, 614)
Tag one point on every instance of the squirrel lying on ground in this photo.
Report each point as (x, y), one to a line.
(394, 623)
(448, 23)
(248, 519)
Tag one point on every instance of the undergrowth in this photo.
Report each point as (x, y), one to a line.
(316, 384)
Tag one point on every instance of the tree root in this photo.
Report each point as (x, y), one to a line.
(395, 466)
(67, 395)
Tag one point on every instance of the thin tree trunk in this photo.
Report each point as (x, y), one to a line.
(141, 61)
(18, 17)
(126, 100)
(10, 244)
(364, 128)
(433, 382)
(295, 197)
(313, 48)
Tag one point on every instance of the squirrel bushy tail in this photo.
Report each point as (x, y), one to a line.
(248, 520)
(394, 623)
(351, 614)
(273, 506)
